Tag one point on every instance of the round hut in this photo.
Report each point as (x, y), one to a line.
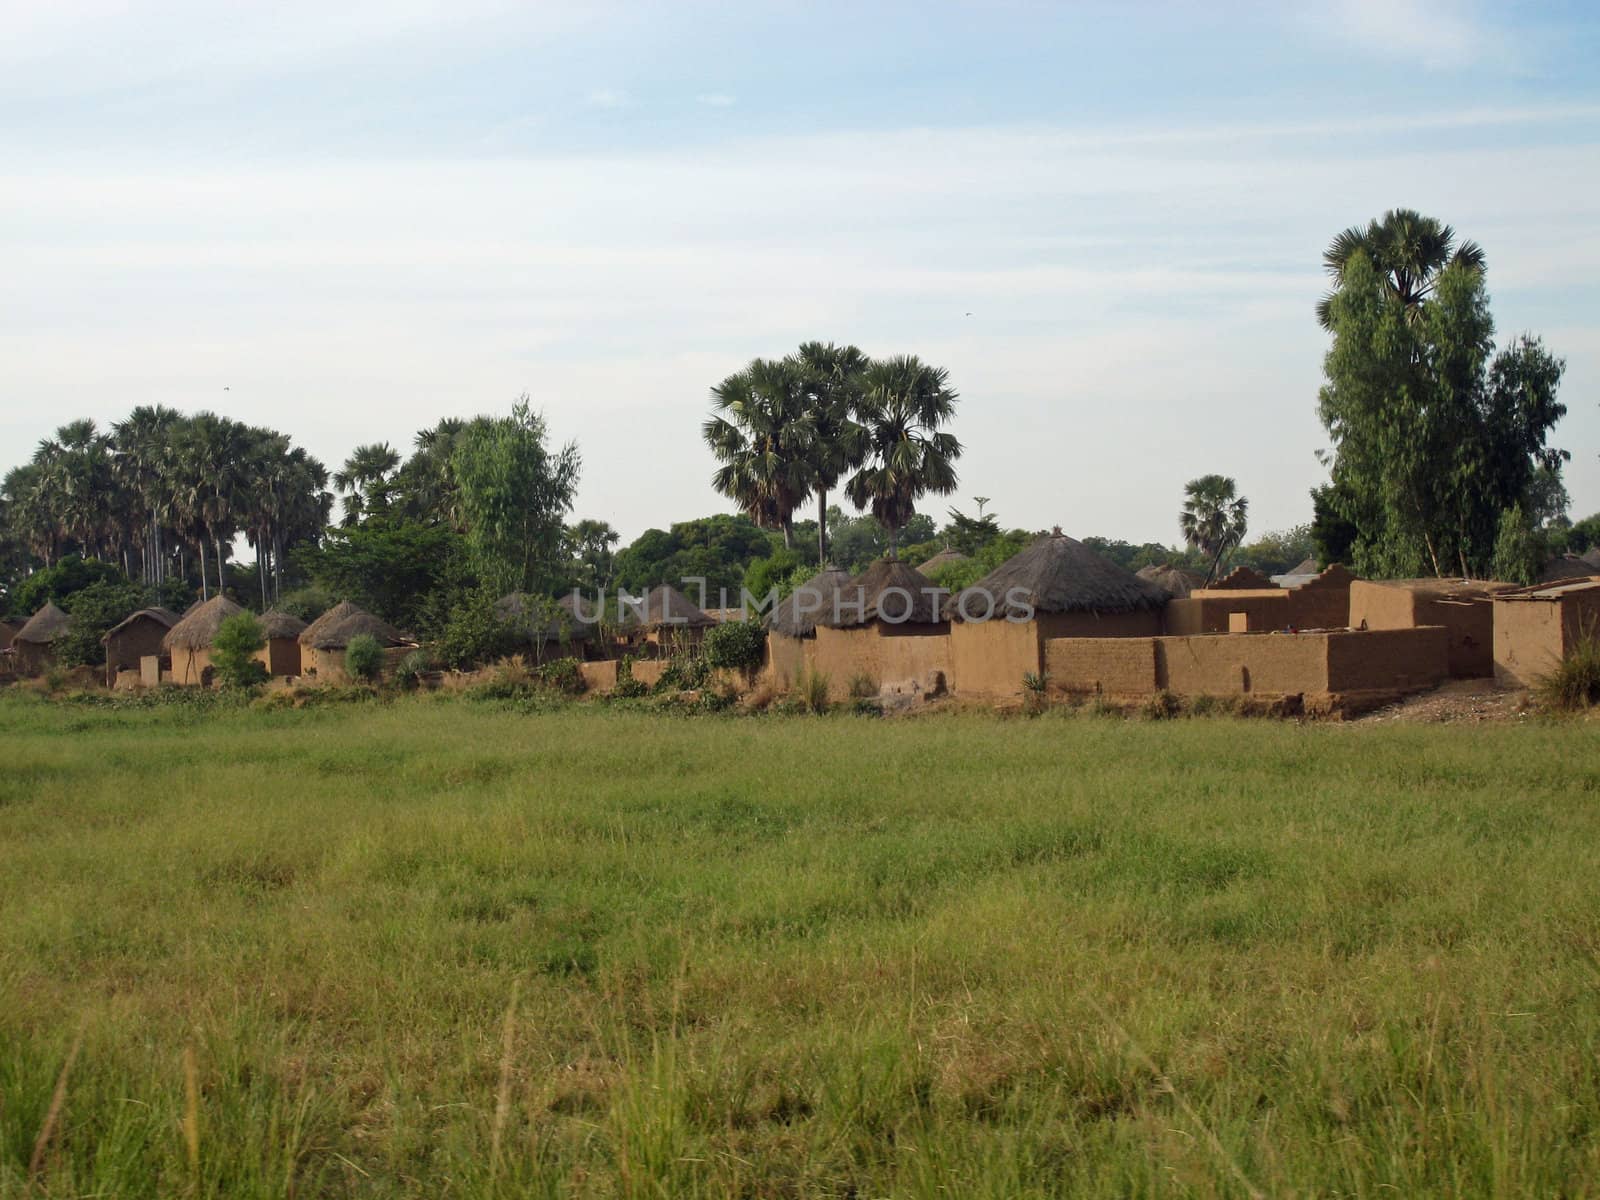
(323, 642)
(792, 624)
(884, 630)
(281, 654)
(34, 646)
(663, 621)
(1174, 580)
(553, 628)
(135, 638)
(189, 641)
(944, 558)
(1056, 588)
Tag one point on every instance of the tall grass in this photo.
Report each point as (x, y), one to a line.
(1574, 684)
(436, 949)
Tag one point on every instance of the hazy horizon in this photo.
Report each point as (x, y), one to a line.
(1107, 223)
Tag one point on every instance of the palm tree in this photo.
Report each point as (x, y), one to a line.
(833, 376)
(1213, 518)
(904, 404)
(763, 434)
(1408, 249)
(365, 480)
(142, 445)
(427, 483)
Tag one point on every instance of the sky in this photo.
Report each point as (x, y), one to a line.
(1106, 220)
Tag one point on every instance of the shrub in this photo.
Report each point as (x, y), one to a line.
(1203, 705)
(412, 668)
(812, 691)
(233, 652)
(1161, 707)
(862, 686)
(1575, 683)
(684, 673)
(363, 658)
(735, 645)
(627, 686)
(475, 634)
(95, 609)
(66, 578)
(563, 675)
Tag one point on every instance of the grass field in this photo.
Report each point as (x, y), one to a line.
(440, 948)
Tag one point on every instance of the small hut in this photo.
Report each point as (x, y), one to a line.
(1174, 580)
(665, 620)
(1591, 557)
(554, 629)
(884, 628)
(281, 654)
(944, 558)
(8, 631)
(792, 624)
(1535, 628)
(33, 647)
(134, 639)
(323, 642)
(1056, 588)
(189, 641)
(1563, 567)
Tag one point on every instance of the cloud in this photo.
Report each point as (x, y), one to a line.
(716, 99)
(607, 98)
(1439, 34)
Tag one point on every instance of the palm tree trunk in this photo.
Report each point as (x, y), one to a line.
(217, 541)
(200, 544)
(822, 527)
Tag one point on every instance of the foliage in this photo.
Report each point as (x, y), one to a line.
(1435, 435)
(1147, 554)
(476, 633)
(1274, 553)
(564, 675)
(1332, 533)
(717, 549)
(514, 494)
(233, 651)
(904, 407)
(94, 610)
(854, 543)
(1213, 520)
(1575, 682)
(954, 576)
(685, 672)
(968, 535)
(763, 431)
(773, 573)
(57, 584)
(862, 686)
(363, 658)
(735, 645)
(391, 568)
(590, 548)
(306, 603)
(1519, 549)
(1408, 251)
(811, 691)
(627, 687)
(408, 674)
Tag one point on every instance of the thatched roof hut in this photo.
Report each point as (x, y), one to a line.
(1176, 581)
(1565, 566)
(942, 559)
(1058, 574)
(665, 607)
(276, 624)
(796, 614)
(349, 625)
(163, 616)
(198, 627)
(1306, 566)
(1592, 557)
(44, 627)
(1242, 579)
(888, 590)
(543, 620)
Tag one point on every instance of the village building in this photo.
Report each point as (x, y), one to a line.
(1177, 582)
(323, 643)
(884, 631)
(1246, 602)
(281, 654)
(792, 625)
(1462, 607)
(134, 639)
(1056, 588)
(33, 646)
(552, 628)
(189, 641)
(1535, 628)
(664, 622)
(946, 557)
(8, 631)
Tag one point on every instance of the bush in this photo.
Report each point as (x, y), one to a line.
(363, 658)
(412, 668)
(563, 675)
(69, 576)
(684, 673)
(1161, 707)
(627, 686)
(475, 634)
(735, 645)
(1575, 683)
(812, 690)
(95, 609)
(307, 603)
(233, 652)
(863, 686)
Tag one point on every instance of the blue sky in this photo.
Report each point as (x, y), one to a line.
(358, 218)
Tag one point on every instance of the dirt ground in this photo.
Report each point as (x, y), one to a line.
(1461, 701)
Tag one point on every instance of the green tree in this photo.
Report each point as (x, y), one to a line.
(1408, 250)
(395, 569)
(1213, 520)
(366, 479)
(1519, 550)
(763, 431)
(904, 407)
(1434, 434)
(363, 658)
(95, 609)
(234, 648)
(514, 494)
(834, 381)
(591, 550)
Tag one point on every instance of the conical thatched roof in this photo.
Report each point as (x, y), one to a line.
(199, 625)
(275, 624)
(664, 606)
(796, 614)
(327, 621)
(1565, 566)
(1175, 581)
(336, 635)
(1305, 567)
(944, 558)
(1592, 557)
(45, 626)
(164, 616)
(1058, 574)
(1242, 579)
(888, 590)
(543, 620)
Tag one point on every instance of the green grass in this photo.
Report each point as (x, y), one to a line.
(786, 957)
